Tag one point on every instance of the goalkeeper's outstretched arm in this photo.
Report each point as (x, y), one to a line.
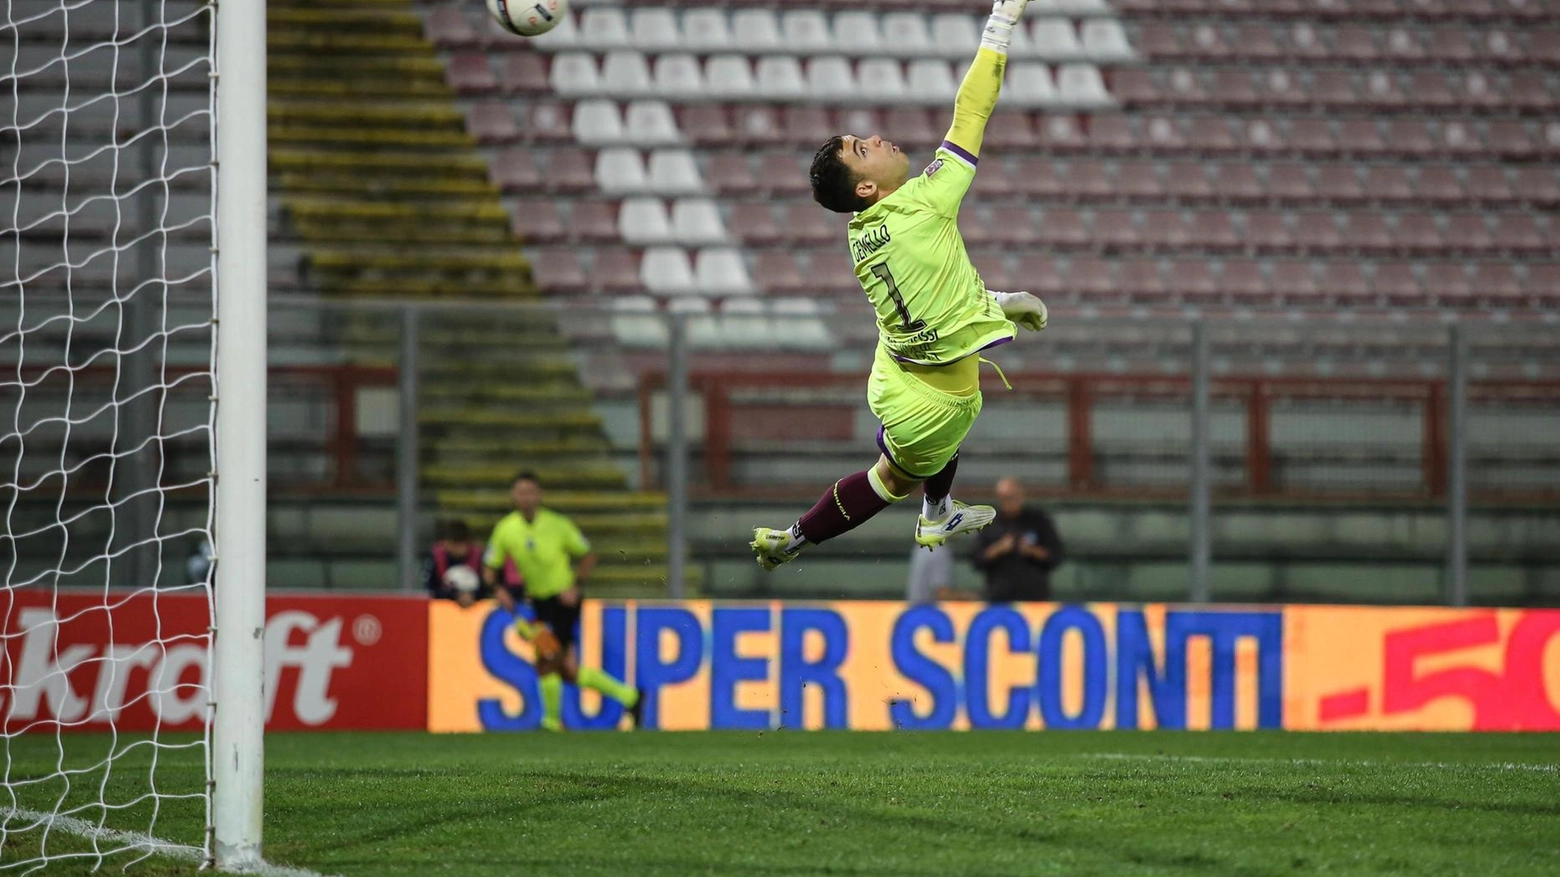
(983, 81)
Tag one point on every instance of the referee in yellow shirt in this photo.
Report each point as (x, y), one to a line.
(554, 559)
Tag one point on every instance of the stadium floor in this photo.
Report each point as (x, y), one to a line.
(788, 803)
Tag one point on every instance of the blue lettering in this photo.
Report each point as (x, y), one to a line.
(511, 669)
(650, 621)
(935, 678)
(796, 673)
(614, 660)
(726, 669)
(1095, 671)
(1134, 661)
(1224, 630)
(977, 668)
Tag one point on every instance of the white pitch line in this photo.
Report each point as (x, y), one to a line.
(1325, 762)
(141, 841)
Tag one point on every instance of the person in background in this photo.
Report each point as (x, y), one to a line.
(1018, 550)
(452, 569)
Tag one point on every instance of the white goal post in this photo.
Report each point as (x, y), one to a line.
(133, 284)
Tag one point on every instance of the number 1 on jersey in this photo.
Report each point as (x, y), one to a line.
(883, 274)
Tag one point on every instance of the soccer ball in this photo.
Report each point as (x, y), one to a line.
(529, 18)
(462, 579)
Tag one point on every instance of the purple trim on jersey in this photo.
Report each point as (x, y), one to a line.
(997, 343)
(961, 152)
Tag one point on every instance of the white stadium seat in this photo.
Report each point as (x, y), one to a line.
(755, 31)
(703, 326)
(620, 171)
(678, 77)
(706, 30)
(651, 123)
(1104, 40)
(882, 79)
(1054, 39)
(665, 271)
(642, 221)
(655, 29)
(574, 75)
(1029, 84)
(604, 27)
(674, 172)
(955, 34)
(857, 33)
(780, 78)
(722, 272)
(744, 324)
(830, 77)
(565, 36)
(625, 74)
(1081, 84)
(636, 321)
(805, 32)
(697, 222)
(597, 123)
(904, 34)
(730, 77)
(798, 323)
(931, 81)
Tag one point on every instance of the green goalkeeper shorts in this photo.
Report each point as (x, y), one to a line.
(922, 427)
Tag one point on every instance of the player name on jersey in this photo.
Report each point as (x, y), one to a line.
(870, 242)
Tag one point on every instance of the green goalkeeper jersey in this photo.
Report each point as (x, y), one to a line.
(932, 307)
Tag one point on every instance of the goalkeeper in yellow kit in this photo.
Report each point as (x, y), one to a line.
(934, 313)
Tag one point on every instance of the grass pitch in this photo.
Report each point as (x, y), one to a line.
(900, 804)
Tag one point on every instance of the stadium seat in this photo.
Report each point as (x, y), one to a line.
(598, 123)
(1305, 43)
(1060, 133)
(931, 80)
(744, 324)
(1191, 282)
(1528, 90)
(1061, 227)
(882, 80)
(570, 170)
(1281, 90)
(515, 170)
(1081, 85)
(697, 222)
(721, 271)
(1345, 283)
(1237, 182)
(1142, 280)
(1354, 43)
(1091, 278)
(753, 223)
(674, 172)
(830, 78)
(1369, 233)
(1475, 90)
(1335, 89)
(806, 125)
(1104, 41)
(469, 73)
(604, 28)
(1159, 41)
(1233, 88)
(1256, 42)
(1188, 181)
(1115, 229)
(1212, 229)
(1134, 86)
(1012, 226)
(1112, 132)
(1317, 232)
(491, 122)
(1289, 182)
(955, 33)
(857, 33)
(546, 121)
(905, 34)
(1139, 180)
(637, 322)
(1087, 180)
(1040, 177)
(806, 32)
(775, 271)
(707, 125)
(1438, 184)
(448, 28)
(1055, 39)
(1339, 184)
(1361, 137)
(705, 29)
(1030, 84)
(1039, 274)
(536, 220)
(620, 171)
(1210, 135)
(565, 36)
(1165, 229)
(730, 77)
(1520, 234)
(799, 323)
(626, 74)
(525, 73)
(1510, 140)
(807, 224)
(666, 271)
(780, 78)
(756, 31)
(911, 126)
(651, 123)
(615, 269)
(1395, 283)
(1267, 231)
(1537, 186)
(1312, 137)
(643, 221)
(1418, 234)
(1487, 184)
(574, 75)
(1468, 233)
(1292, 281)
(654, 29)
(678, 77)
(557, 270)
(1494, 282)
(1242, 282)
(1386, 184)
(1450, 44)
(730, 173)
(862, 120)
(594, 222)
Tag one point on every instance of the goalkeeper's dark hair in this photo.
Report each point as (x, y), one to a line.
(525, 475)
(833, 182)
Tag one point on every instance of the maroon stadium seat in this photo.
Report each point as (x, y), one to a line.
(1542, 284)
(1527, 90)
(616, 269)
(1283, 90)
(1370, 233)
(1468, 233)
(492, 122)
(1510, 140)
(1305, 41)
(1383, 91)
(1289, 182)
(1417, 233)
(1242, 281)
(1091, 278)
(525, 73)
(594, 222)
(1039, 177)
(536, 221)
(1086, 179)
(1410, 137)
(1317, 231)
(1207, 40)
(1431, 88)
(1062, 227)
(1016, 226)
(775, 271)
(1255, 41)
(807, 224)
(1213, 229)
(1438, 184)
(1192, 281)
(1480, 90)
(1112, 132)
(1344, 282)
(866, 122)
(1060, 133)
(1339, 184)
(1141, 281)
(1188, 181)
(1232, 87)
(1538, 185)
(1354, 43)
(1293, 281)
(1495, 282)
(1040, 275)
(1449, 43)
(707, 125)
(753, 223)
(1544, 46)
(1237, 181)
(1388, 184)
(1360, 137)
(976, 227)
(759, 124)
(911, 126)
(448, 28)
(1403, 44)
(992, 265)
(1520, 233)
(515, 170)
(1459, 138)
(469, 73)
(1165, 229)
(1449, 286)
(730, 173)
(1162, 133)
(1487, 184)
(570, 170)
(557, 270)
(1206, 134)
(805, 126)
(1395, 283)
(1139, 180)
(1005, 131)
(1131, 86)
(1267, 231)
(1159, 41)
(1115, 228)
(1312, 137)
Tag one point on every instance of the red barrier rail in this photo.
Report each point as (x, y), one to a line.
(1080, 392)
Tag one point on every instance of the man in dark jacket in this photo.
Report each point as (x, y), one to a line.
(1018, 550)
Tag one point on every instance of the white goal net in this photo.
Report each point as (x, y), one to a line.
(107, 388)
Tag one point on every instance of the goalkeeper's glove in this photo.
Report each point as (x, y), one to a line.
(1022, 308)
(998, 33)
